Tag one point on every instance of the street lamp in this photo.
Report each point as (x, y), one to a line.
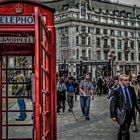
(64, 69)
(112, 57)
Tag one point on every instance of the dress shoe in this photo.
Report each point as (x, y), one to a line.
(87, 118)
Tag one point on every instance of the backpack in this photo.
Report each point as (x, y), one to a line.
(71, 88)
(61, 87)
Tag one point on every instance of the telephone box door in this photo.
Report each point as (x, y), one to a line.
(42, 79)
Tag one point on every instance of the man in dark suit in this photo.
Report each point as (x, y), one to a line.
(122, 106)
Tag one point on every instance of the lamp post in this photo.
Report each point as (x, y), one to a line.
(64, 69)
(112, 57)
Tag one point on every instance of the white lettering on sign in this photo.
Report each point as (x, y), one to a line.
(13, 39)
(16, 20)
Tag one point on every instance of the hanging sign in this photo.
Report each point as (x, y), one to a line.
(16, 20)
(14, 39)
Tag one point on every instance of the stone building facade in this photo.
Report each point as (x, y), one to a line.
(86, 31)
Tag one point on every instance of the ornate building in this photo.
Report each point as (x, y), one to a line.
(86, 31)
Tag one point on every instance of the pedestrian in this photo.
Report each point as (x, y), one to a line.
(122, 106)
(61, 94)
(19, 92)
(86, 94)
(113, 87)
(76, 89)
(134, 83)
(71, 93)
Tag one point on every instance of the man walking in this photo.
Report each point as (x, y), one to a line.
(86, 92)
(122, 107)
(71, 93)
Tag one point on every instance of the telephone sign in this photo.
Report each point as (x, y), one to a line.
(16, 20)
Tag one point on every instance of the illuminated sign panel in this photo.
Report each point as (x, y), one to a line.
(16, 20)
(13, 39)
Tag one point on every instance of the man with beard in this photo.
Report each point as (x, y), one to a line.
(86, 92)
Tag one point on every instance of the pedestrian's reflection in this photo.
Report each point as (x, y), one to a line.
(18, 90)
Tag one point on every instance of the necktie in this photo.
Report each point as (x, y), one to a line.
(127, 99)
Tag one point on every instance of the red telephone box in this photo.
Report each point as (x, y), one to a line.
(27, 51)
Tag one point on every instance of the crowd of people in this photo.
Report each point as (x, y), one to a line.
(122, 91)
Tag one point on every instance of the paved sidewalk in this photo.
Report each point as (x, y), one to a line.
(100, 126)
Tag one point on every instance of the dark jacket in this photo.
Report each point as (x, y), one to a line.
(118, 104)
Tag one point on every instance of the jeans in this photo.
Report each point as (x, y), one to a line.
(22, 107)
(85, 105)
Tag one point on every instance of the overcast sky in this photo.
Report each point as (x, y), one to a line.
(129, 2)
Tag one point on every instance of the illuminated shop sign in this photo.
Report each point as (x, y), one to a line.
(13, 39)
(16, 20)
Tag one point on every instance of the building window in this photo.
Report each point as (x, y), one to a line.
(139, 56)
(139, 44)
(139, 35)
(98, 55)
(119, 22)
(105, 31)
(132, 34)
(89, 30)
(119, 56)
(83, 53)
(97, 31)
(89, 54)
(132, 44)
(106, 55)
(77, 40)
(77, 28)
(98, 42)
(64, 30)
(125, 44)
(83, 8)
(126, 56)
(112, 43)
(97, 18)
(64, 41)
(132, 24)
(83, 29)
(89, 41)
(125, 23)
(119, 33)
(105, 43)
(112, 32)
(132, 56)
(125, 33)
(119, 43)
(83, 40)
(77, 54)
